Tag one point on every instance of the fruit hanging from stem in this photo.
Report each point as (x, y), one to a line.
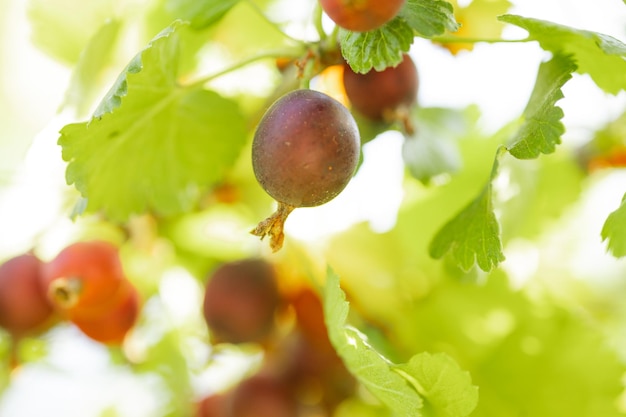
(83, 278)
(386, 95)
(305, 151)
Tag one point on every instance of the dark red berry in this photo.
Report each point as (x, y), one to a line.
(262, 396)
(379, 95)
(312, 360)
(240, 301)
(305, 151)
(24, 307)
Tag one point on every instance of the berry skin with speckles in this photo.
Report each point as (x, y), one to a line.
(305, 151)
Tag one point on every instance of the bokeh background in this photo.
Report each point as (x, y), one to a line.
(69, 375)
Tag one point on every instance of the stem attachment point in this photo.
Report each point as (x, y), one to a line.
(273, 226)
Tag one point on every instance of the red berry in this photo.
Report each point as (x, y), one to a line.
(213, 405)
(310, 317)
(24, 307)
(262, 396)
(304, 153)
(240, 301)
(83, 278)
(112, 325)
(361, 15)
(378, 95)
(305, 149)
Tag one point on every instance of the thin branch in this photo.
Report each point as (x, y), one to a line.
(280, 53)
(317, 21)
(458, 39)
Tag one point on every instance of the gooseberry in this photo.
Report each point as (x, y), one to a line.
(240, 301)
(24, 307)
(304, 152)
(379, 95)
(361, 15)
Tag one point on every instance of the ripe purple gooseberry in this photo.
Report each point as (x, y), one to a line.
(305, 151)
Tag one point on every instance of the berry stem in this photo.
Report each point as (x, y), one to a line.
(280, 53)
(274, 225)
(334, 36)
(317, 21)
(307, 73)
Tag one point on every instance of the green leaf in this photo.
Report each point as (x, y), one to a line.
(546, 187)
(379, 48)
(614, 230)
(601, 56)
(201, 13)
(63, 34)
(433, 149)
(529, 355)
(542, 128)
(371, 369)
(152, 143)
(473, 235)
(429, 17)
(94, 59)
(448, 390)
(426, 157)
(161, 71)
(355, 406)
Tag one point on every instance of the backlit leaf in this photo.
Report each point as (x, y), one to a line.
(447, 390)
(429, 17)
(152, 142)
(432, 149)
(601, 56)
(473, 235)
(362, 360)
(93, 60)
(542, 128)
(379, 48)
(614, 230)
(62, 28)
(201, 13)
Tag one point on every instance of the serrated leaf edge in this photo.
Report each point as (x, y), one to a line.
(547, 104)
(485, 193)
(607, 235)
(113, 98)
(332, 286)
(418, 386)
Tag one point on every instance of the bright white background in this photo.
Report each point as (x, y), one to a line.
(78, 380)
